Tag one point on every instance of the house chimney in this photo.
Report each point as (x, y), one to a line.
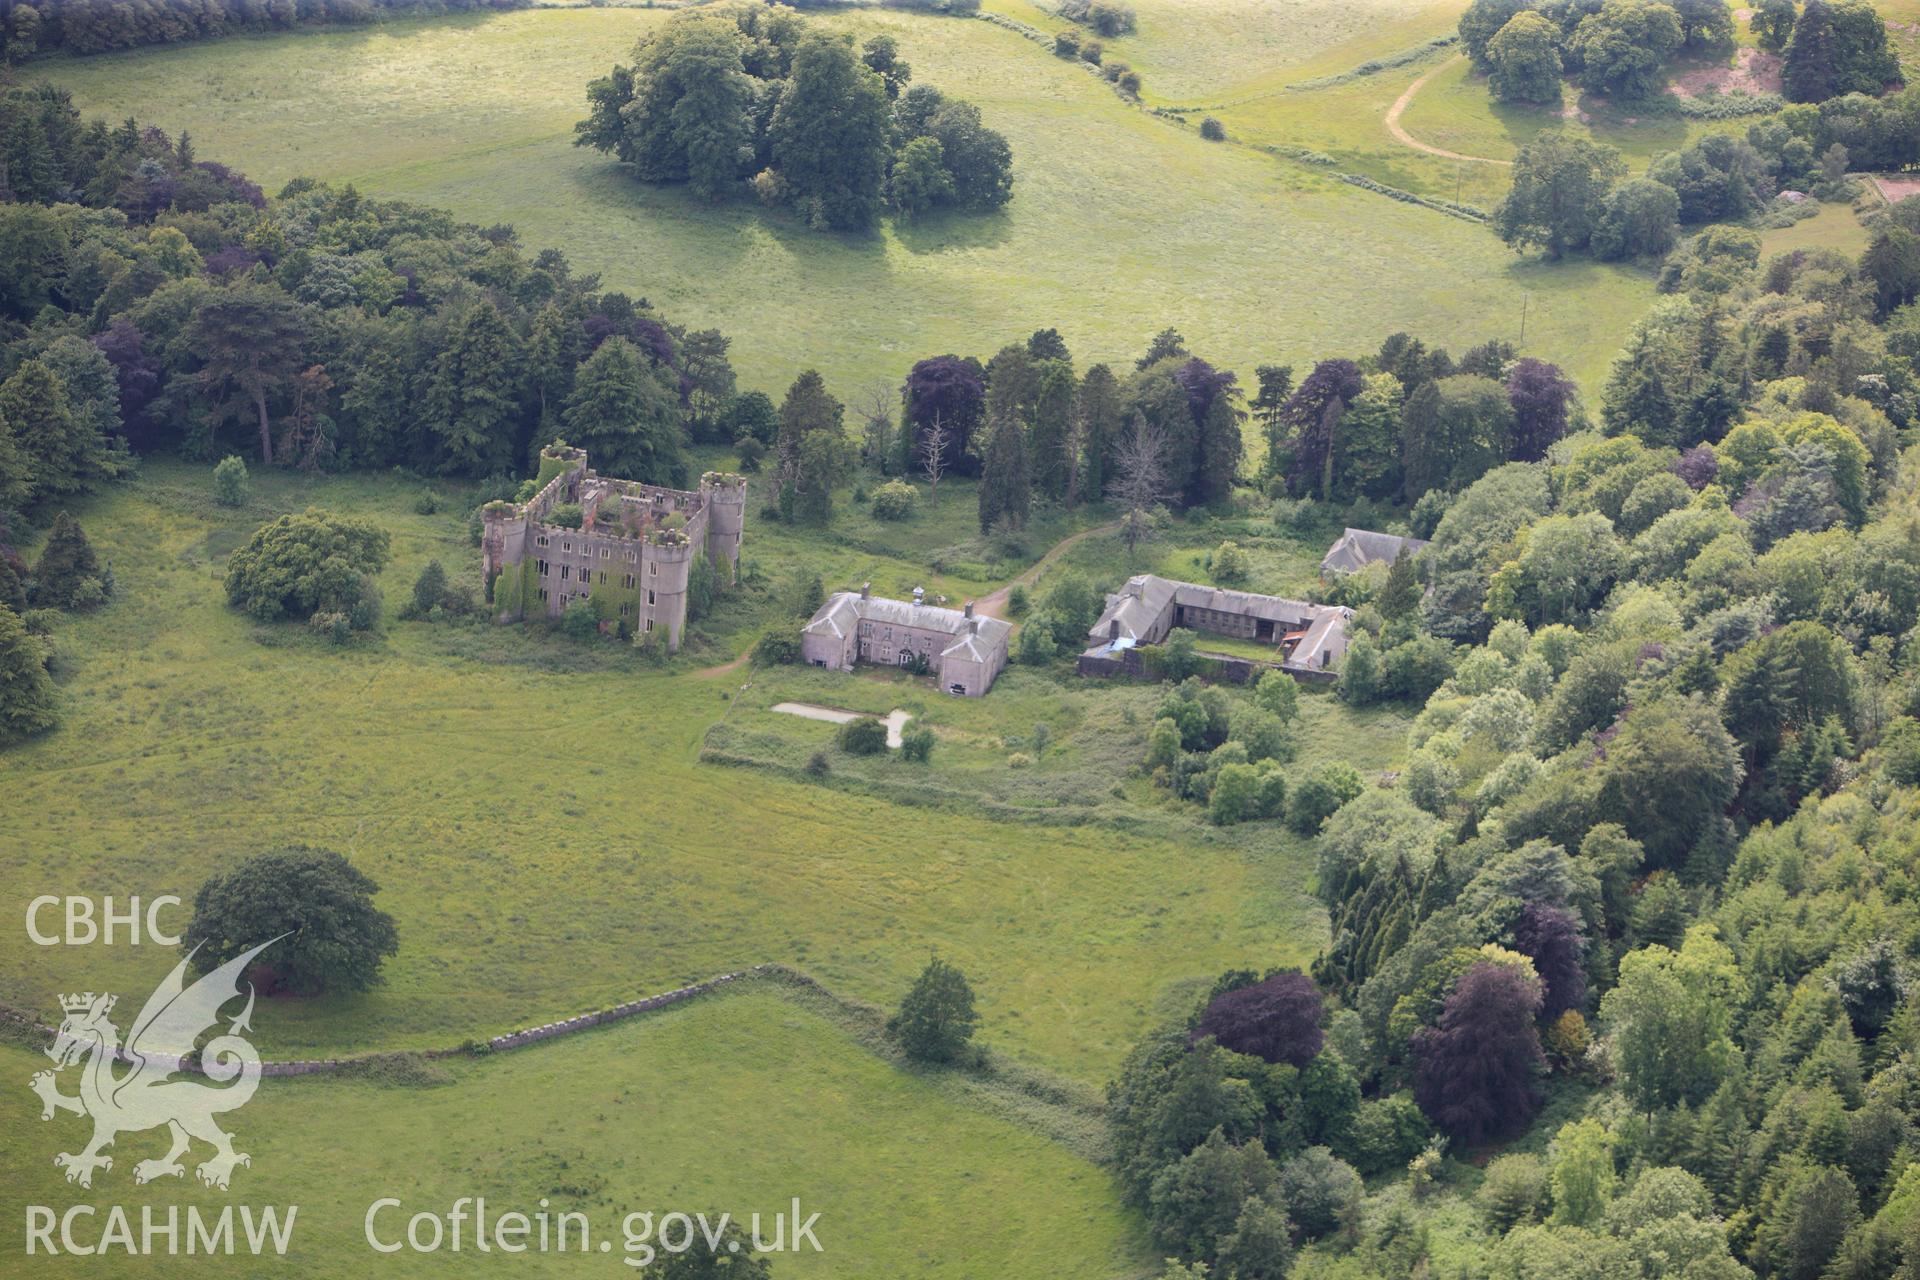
(866, 591)
(973, 623)
(968, 610)
(1113, 629)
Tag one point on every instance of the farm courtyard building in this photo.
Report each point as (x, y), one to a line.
(631, 556)
(962, 649)
(1355, 549)
(1305, 637)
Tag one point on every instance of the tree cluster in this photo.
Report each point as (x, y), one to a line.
(1638, 857)
(751, 98)
(32, 28)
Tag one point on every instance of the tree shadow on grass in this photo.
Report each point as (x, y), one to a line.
(953, 229)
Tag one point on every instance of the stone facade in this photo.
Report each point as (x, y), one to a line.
(964, 651)
(632, 556)
(1305, 637)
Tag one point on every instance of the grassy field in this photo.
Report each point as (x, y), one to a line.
(736, 1102)
(1255, 259)
(539, 824)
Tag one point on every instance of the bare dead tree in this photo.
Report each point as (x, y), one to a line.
(933, 456)
(1139, 481)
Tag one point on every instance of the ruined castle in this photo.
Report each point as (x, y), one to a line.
(631, 556)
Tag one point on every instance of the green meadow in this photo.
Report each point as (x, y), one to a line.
(1254, 258)
(739, 1101)
(537, 817)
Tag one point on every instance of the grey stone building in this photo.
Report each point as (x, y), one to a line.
(1355, 549)
(632, 556)
(1305, 637)
(965, 651)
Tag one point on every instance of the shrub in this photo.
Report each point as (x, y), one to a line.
(428, 503)
(777, 648)
(1036, 646)
(230, 483)
(895, 500)
(580, 621)
(567, 515)
(1229, 564)
(1018, 602)
(429, 590)
(1320, 794)
(336, 627)
(818, 766)
(1212, 130)
(1514, 1191)
(866, 736)
(1067, 44)
(916, 745)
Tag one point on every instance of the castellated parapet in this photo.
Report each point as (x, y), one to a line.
(631, 556)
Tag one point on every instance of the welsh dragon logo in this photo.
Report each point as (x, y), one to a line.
(148, 1095)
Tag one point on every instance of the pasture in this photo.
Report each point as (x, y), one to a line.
(736, 1102)
(539, 824)
(1256, 259)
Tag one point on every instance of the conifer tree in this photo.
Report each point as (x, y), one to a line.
(34, 405)
(65, 563)
(1097, 404)
(473, 394)
(1005, 493)
(26, 692)
(626, 417)
(1048, 441)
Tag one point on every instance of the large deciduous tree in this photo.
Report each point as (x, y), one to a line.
(318, 905)
(1277, 1020)
(1474, 1070)
(1523, 61)
(936, 1017)
(829, 135)
(1560, 183)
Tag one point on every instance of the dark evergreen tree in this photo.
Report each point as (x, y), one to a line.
(66, 565)
(626, 417)
(27, 699)
(1005, 487)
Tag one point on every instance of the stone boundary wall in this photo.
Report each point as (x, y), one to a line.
(499, 1044)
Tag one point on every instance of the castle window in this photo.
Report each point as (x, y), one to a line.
(566, 546)
(626, 610)
(543, 595)
(630, 557)
(605, 553)
(541, 541)
(654, 567)
(627, 581)
(603, 577)
(649, 597)
(545, 568)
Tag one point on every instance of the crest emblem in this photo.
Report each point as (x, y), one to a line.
(154, 1089)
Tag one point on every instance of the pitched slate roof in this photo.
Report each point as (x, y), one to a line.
(1355, 549)
(844, 610)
